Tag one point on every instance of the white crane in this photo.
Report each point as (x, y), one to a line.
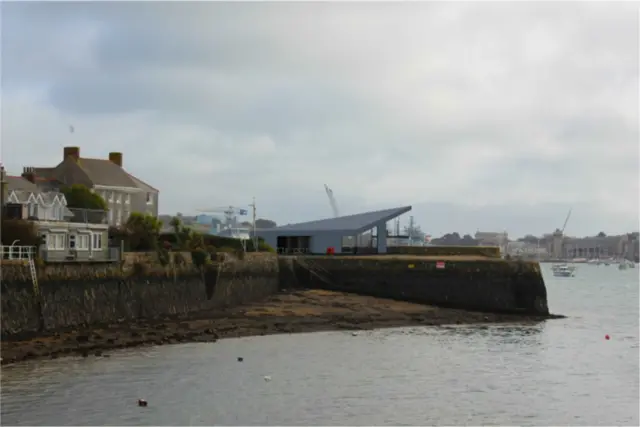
(332, 201)
(230, 214)
(565, 221)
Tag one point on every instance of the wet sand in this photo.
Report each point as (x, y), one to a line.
(300, 311)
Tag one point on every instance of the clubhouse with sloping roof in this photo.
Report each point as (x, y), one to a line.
(317, 236)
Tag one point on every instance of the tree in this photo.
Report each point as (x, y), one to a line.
(601, 234)
(265, 223)
(529, 238)
(143, 231)
(79, 196)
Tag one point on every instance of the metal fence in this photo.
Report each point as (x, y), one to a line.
(17, 252)
(88, 216)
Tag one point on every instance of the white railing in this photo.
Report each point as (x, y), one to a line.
(17, 252)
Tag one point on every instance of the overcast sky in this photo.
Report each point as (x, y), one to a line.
(486, 116)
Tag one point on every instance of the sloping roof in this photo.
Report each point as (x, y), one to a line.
(143, 185)
(20, 183)
(353, 224)
(105, 172)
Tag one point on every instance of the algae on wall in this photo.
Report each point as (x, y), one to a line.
(82, 294)
(486, 285)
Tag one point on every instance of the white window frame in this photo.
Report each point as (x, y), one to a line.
(149, 198)
(127, 199)
(32, 209)
(110, 216)
(110, 200)
(56, 242)
(118, 216)
(96, 242)
(83, 242)
(119, 198)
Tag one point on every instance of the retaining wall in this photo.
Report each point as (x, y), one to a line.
(481, 284)
(73, 295)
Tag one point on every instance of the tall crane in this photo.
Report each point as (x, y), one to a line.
(332, 201)
(565, 221)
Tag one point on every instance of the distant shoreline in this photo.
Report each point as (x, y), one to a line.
(294, 312)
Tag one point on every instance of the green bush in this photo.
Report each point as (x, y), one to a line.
(200, 257)
(21, 230)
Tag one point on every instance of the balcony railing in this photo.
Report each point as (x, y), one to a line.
(15, 252)
(88, 216)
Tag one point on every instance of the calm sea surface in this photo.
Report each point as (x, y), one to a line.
(562, 372)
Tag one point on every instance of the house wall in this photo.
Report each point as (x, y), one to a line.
(139, 202)
(60, 250)
(119, 209)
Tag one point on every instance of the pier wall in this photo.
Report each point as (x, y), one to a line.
(479, 283)
(75, 295)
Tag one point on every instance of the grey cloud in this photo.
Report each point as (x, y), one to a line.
(389, 103)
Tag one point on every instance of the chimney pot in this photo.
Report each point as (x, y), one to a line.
(116, 158)
(29, 173)
(72, 152)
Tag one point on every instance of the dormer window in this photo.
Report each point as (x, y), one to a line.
(149, 199)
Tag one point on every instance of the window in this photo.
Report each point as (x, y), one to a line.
(83, 241)
(149, 199)
(118, 216)
(118, 198)
(110, 216)
(110, 196)
(127, 199)
(72, 241)
(44, 240)
(97, 241)
(56, 242)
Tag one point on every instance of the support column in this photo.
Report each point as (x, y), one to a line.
(382, 238)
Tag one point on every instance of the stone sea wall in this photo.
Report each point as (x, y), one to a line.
(77, 295)
(472, 284)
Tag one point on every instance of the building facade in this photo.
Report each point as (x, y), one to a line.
(123, 192)
(67, 234)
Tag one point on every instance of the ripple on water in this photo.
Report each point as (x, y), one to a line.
(560, 372)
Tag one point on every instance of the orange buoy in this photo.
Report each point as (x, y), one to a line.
(606, 337)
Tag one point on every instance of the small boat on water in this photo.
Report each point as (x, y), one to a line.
(556, 267)
(564, 271)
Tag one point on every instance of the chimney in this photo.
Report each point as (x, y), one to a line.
(29, 173)
(73, 152)
(116, 158)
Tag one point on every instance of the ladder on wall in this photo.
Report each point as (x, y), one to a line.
(34, 274)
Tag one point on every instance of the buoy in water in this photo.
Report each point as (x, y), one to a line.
(240, 359)
(606, 337)
(267, 378)
(142, 402)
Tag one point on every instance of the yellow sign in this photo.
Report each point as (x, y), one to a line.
(411, 265)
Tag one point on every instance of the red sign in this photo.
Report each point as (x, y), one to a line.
(440, 264)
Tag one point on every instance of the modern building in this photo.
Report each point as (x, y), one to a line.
(67, 234)
(123, 192)
(318, 236)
